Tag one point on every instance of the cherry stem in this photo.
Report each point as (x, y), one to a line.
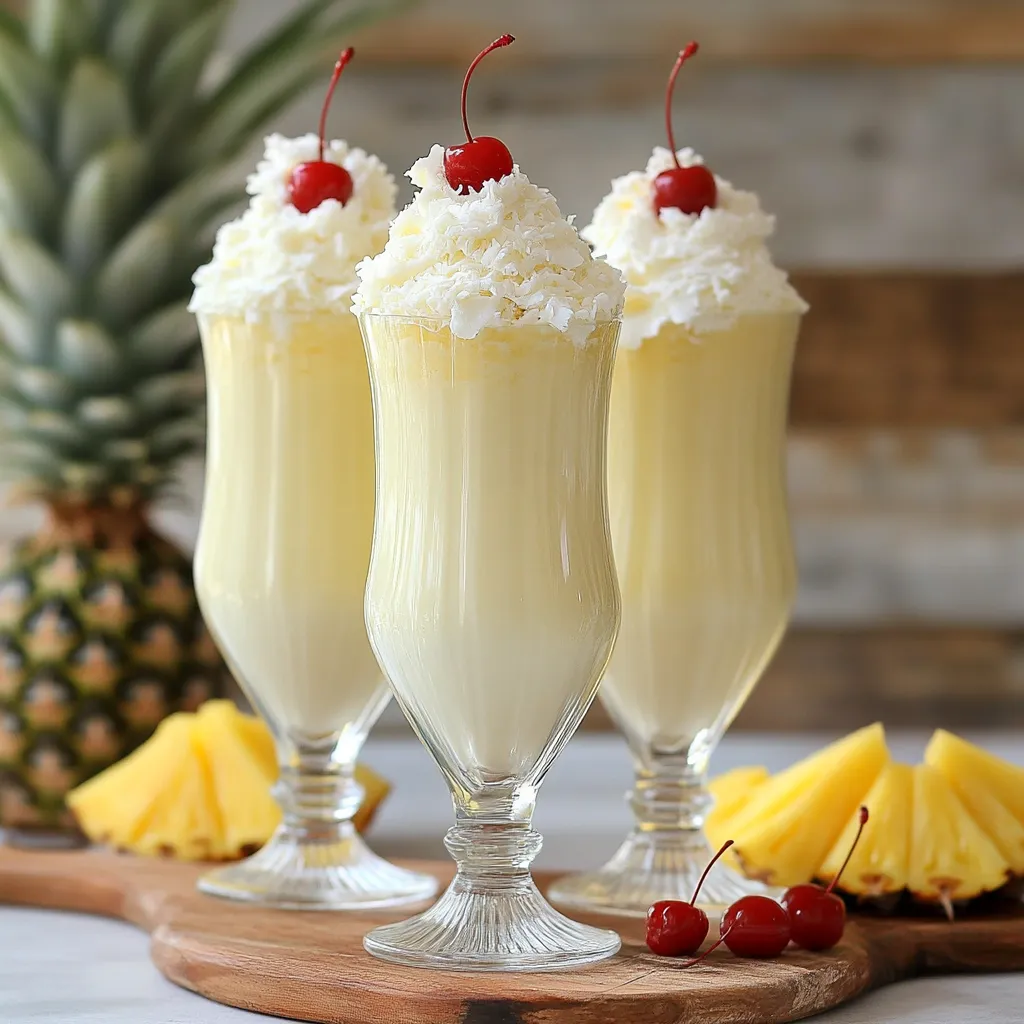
(863, 815)
(346, 56)
(500, 41)
(707, 870)
(707, 952)
(684, 55)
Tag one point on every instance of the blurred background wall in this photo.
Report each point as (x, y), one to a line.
(888, 137)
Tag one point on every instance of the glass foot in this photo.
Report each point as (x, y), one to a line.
(339, 872)
(656, 866)
(469, 930)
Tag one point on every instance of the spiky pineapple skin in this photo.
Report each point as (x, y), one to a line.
(100, 639)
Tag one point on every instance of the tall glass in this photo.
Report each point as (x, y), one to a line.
(702, 545)
(281, 564)
(492, 605)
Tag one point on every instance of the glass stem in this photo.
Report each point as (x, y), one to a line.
(670, 800)
(318, 797)
(492, 857)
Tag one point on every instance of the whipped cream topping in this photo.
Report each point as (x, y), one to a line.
(274, 260)
(702, 271)
(482, 259)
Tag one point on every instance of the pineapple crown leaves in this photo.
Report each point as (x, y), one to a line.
(117, 161)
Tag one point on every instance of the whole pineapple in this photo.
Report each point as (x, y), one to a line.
(116, 165)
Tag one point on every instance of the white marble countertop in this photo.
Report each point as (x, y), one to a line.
(58, 968)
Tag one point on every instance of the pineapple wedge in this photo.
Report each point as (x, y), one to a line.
(970, 772)
(111, 806)
(240, 783)
(951, 858)
(955, 756)
(198, 790)
(254, 733)
(257, 736)
(880, 862)
(792, 821)
(185, 822)
(732, 792)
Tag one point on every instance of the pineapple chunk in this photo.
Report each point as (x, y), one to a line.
(111, 805)
(956, 757)
(240, 783)
(881, 860)
(731, 791)
(250, 729)
(946, 753)
(199, 789)
(951, 858)
(791, 822)
(375, 789)
(257, 737)
(185, 822)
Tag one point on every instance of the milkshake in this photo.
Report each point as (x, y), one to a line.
(698, 505)
(492, 602)
(287, 523)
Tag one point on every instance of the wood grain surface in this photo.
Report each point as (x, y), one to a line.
(312, 967)
(910, 350)
(747, 30)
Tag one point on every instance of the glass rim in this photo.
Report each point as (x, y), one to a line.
(415, 318)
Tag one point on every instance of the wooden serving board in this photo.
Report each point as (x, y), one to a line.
(311, 966)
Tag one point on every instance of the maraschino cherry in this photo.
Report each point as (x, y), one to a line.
(817, 915)
(315, 182)
(475, 161)
(756, 926)
(675, 928)
(690, 189)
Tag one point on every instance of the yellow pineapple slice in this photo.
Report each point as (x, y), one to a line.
(951, 858)
(879, 864)
(250, 729)
(198, 789)
(731, 791)
(184, 822)
(791, 822)
(956, 758)
(375, 789)
(110, 806)
(249, 814)
(255, 734)
(978, 796)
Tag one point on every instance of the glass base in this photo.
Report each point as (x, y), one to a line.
(515, 930)
(303, 873)
(652, 866)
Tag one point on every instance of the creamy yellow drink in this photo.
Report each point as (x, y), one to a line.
(287, 525)
(288, 517)
(699, 524)
(492, 601)
(699, 517)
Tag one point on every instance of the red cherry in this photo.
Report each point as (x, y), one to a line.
(690, 189)
(756, 926)
(315, 182)
(471, 163)
(817, 915)
(675, 928)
